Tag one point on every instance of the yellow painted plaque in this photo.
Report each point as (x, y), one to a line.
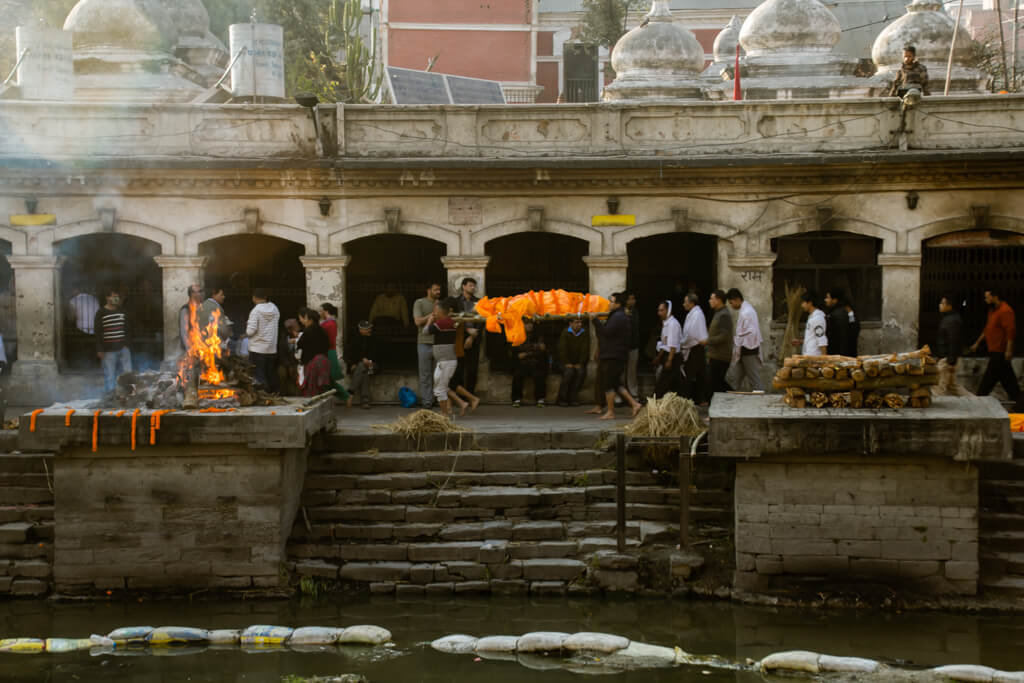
(616, 220)
(34, 219)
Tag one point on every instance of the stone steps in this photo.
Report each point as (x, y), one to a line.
(26, 524)
(1005, 585)
(1000, 521)
(525, 516)
(999, 563)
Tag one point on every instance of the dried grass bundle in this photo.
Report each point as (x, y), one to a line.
(670, 415)
(421, 424)
(793, 313)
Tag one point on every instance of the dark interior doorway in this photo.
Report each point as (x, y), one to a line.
(963, 265)
(386, 275)
(8, 309)
(533, 261)
(667, 267)
(241, 263)
(93, 263)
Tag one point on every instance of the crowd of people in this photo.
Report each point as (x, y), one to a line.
(691, 356)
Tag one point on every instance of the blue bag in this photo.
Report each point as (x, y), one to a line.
(407, 397)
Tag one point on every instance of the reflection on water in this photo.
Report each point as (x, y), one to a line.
(711, 628)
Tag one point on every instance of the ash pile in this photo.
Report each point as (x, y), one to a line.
(186, 388)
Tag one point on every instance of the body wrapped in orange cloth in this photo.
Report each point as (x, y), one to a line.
(510, 311)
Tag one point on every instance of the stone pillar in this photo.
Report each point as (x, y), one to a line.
(37, 282)
(460, 267)
(901, 301)
(607, 274)
(179, 272)
(325, 282)
(752, 275)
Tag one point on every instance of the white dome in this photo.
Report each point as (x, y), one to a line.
(786, 26)
(660, 47)
(726, 41)
(143, 25)
(929, 29)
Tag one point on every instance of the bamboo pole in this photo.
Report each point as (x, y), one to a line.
(1002, 44)
(952, 46)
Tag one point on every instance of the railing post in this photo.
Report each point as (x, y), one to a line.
(684, 492)
(620, 491)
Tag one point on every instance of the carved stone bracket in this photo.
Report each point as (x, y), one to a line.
(680, 217)
(393, 219)
(535, 218)
(107, 219)
(980, 212)
(252, 220)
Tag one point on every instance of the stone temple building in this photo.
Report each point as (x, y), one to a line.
(130, 185)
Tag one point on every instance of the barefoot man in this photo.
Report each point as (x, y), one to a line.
(613, 335)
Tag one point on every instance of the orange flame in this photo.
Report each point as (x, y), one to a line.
(204, 347)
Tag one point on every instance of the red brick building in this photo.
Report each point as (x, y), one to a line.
(523, 43)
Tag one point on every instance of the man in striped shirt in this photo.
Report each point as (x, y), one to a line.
(112, 335)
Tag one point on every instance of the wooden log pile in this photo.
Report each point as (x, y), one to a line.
(887, 381)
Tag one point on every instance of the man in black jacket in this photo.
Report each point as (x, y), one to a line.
(949, 344)
(613, 336)
(837, 323)
(530, 359)
(361, 357)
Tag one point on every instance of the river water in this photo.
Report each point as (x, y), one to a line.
(719, 628)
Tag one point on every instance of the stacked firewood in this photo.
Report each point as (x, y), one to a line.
(862, 382)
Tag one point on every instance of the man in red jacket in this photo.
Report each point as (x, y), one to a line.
(999, 335)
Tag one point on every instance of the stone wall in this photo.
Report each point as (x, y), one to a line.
(169, 518)
(905, 520)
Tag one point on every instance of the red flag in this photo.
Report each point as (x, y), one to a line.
(737, 92)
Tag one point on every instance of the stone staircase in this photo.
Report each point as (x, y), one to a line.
(1001, 524)
(26, 524)
(510, 513)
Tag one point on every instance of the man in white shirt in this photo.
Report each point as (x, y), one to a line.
(669, 360)
(746, 353)
(262, 333)
(815, 338)
(695, 331)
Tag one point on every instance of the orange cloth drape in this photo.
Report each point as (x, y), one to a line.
(510, 311)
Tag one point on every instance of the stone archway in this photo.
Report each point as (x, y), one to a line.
(386, 273)
(667, 266)
(962, 265)
(527, 261)
(93, 262)
(242, 262)
(8, 309)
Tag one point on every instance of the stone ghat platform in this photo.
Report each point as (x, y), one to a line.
(205, 502)
(883, 496)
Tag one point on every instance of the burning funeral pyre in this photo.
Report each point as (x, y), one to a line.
(207, 377)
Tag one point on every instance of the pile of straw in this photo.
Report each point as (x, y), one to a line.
(670, 415)
(421, 424)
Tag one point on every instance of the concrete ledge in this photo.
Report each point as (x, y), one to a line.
(968, 428)
(286, 426)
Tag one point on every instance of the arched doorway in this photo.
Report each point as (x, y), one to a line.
(533, 261)
(241, 263)
(8, 313)
(963, 265)
(96, 262)
(386, 274)
(667, 267)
